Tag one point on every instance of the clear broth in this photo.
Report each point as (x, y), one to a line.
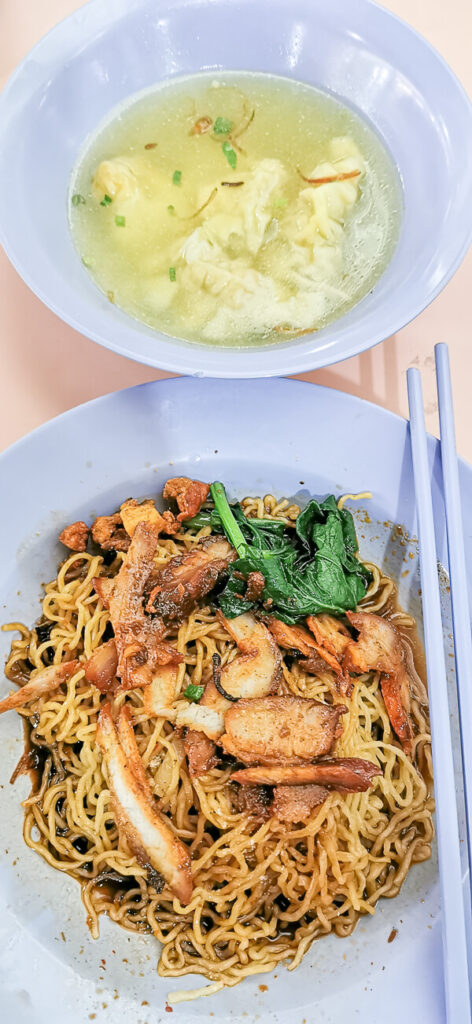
(256, 265)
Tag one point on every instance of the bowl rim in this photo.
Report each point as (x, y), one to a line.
(176, 355)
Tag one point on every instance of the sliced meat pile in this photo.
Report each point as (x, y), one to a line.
(280, 737)
(146, 603)
(254, 672)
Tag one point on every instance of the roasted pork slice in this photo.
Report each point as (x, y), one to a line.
(140, 639)
(281, 730)
(100, 669)
(75, 536)
(201, 719)
(379, 648)
(43, 682)
(151, 839)
(295, 804)
(186, 579)
(109, 533)
(159, 696)
(201, 753)
(254, 800)
(345, 774)
(189, 495)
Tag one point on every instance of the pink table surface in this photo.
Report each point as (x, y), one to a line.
(46, 367)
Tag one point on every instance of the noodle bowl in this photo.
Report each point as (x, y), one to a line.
(263, 890)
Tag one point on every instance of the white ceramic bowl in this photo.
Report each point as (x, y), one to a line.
(358, 51)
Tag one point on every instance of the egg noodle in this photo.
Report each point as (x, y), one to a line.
(262, 891)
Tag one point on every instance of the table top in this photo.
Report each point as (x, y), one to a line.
(47, 367)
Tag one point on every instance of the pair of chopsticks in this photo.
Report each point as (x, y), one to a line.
(456, 913)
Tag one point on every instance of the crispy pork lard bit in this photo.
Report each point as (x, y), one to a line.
(295, 803)
(186, 579)
(152, 840)
(139, 638)
(379, 648)
(133, 512)
(345, 774)
(45, 681)
(281, 730)
(109, 533)
(189, 495)
(75, 536)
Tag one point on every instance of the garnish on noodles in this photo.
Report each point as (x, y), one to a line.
(229, 733)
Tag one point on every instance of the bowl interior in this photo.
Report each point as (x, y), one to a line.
(96, 58)
(137, 439)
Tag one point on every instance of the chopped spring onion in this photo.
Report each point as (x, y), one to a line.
(120, 221)
(222, 126)
(177, 177)
(106, 200)
(194, 692)
(172, 273)
(77, 199)
(230, 154)
(280, 203)
(171, 209)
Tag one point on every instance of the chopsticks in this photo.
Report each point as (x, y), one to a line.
(457, 574)
(456, 974)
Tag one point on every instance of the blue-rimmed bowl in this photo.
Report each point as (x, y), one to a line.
(105, 52)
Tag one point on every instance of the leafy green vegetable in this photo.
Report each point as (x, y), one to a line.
(177, 177)
(120, 221)
(106, 200)
(172, 273)
(222, 126)
(193, 692)
(210, 517)
(308, 570)
(230, 154)
(77, 199)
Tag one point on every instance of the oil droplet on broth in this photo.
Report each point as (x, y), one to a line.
(263, 258)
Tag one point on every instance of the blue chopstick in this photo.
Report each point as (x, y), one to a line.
(456, 974)
(457, 574)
